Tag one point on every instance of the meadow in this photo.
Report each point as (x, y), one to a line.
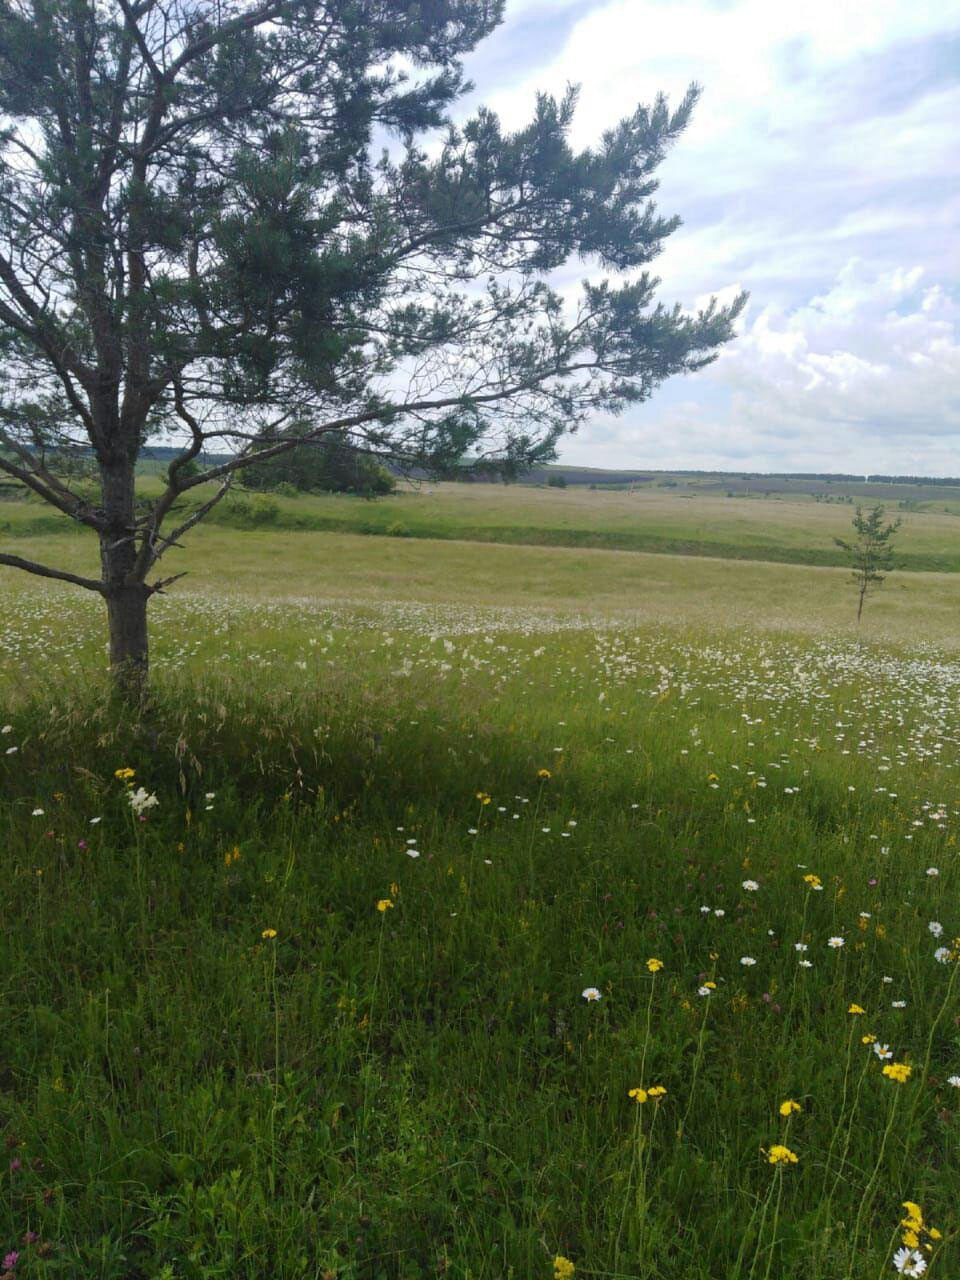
(482, 911)
(679, 518)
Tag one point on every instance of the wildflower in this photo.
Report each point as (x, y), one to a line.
(914, 1218)
(37, 813)
(855, 1008)
(883, 1051)
(483, 797)
(800, 946)
(933, 871)
(11, 1260)
(781, 1155)
(706, 988)
(868, 1039)
(898, 1004)
(936, 928)
(140, 801)
(909, 1262)
(384, 905)
(747, 961)
(590, 994)
(544, 775)
(942, 955)
(654, 965)
(268, 934)
(94, 821)
(789, 1107)
(835, 943)
(122, 775)
(899, 1071)
(751, 886)
(954, 1081)
(806, 964)
(563, 1268)
(638, 1095)
(656, 1091)
(813, 881)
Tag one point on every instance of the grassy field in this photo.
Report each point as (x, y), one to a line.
(689, 521)
(453, 847)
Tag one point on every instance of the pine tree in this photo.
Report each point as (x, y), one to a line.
(200, 241)
(871, 552)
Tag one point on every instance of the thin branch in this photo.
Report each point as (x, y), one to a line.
(61, 575)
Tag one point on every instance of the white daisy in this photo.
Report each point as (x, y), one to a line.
(909, 1262)
(590, 994)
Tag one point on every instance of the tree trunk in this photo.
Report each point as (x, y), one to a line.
(127, 620)
(126, 596)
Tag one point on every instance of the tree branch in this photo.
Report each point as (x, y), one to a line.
(44, 571)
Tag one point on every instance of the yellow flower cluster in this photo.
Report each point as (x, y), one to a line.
(789, 1107)
(813, 881)
(544, 774)
(656, 1092)
(384, 905)
(563, 1268)
(855, 1008)
(899, 1071)
(781, 1155)
(268, 934)
(124, 775)
(654, 965)
(914, 1228)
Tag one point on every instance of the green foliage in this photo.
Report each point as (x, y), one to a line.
(871, 552)
(557, 482)
(328, 466)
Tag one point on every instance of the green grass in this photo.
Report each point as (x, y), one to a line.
(424, 1091)
(788, 529)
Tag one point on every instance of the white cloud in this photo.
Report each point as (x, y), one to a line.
(819, 173)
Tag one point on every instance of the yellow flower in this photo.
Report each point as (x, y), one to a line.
(483, 797)
(123, 774)
(914, 1219)
(855, 1008)
(384, 905)
(868, 1039)
(781, 1155)
(711, 985)
(911, 1239)
(638, 1095)
(654, 965)
(563, 1268)
(656, 1091)
(543, 775)
(268, 934)
(898, 1071)
(812, 880)
(789, 1107)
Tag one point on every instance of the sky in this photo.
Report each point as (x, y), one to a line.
(821, 173)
